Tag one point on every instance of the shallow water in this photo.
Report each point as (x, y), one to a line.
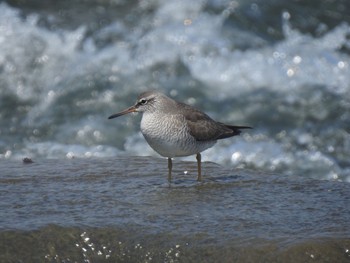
(131, 200)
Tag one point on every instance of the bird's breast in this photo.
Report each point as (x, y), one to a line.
(168, 134)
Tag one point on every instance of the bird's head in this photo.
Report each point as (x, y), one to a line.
(146, 102)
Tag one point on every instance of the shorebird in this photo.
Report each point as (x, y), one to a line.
(174, 129)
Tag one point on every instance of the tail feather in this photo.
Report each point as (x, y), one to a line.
(235, 130)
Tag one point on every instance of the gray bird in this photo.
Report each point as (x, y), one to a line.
(175, 129)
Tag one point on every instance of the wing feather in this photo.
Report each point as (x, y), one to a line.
(203, 128)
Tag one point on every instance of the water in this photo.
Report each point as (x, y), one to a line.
(61, 79)
(123, 208)
(279, 66)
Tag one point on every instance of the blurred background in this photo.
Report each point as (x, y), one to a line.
(281, 66)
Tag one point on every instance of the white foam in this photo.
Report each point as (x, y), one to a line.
(68, 86)
(52, 150)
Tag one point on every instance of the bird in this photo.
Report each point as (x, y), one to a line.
(175, 129)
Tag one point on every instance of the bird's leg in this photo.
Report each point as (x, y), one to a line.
(170, 167)
(198, 157)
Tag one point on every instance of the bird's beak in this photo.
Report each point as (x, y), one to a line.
(126, 111)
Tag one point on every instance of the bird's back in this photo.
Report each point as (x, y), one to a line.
(204, 128)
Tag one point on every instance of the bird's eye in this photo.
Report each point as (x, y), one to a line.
(142, 102)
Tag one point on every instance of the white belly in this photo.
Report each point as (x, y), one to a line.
(169, 136)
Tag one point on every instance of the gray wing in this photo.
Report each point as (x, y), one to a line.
(203, 128)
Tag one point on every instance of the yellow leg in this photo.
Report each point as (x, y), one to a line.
(170, 167)
(198, 157)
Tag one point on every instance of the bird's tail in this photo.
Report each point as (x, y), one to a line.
(236, 130)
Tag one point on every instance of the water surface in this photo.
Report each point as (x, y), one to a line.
(130, 201)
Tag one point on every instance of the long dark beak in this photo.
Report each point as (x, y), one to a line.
(128, 110)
